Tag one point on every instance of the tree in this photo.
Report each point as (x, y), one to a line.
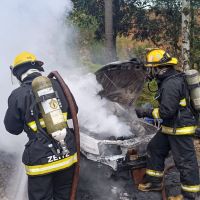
(158, 21)
(186, 20)
(194, 33)
(110, 47)
(123, 12)
(94, 8)
(160, 24)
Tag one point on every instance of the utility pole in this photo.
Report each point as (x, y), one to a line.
(109, 43)
(186, 21)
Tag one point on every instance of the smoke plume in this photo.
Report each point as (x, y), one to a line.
(40, 27)
(37, 27)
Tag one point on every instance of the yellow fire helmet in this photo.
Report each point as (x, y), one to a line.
(25, 57)
(159, 57)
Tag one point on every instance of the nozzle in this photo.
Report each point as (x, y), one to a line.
(60, 136)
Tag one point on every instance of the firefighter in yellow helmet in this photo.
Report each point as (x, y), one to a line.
(50, 174)
(177, 129)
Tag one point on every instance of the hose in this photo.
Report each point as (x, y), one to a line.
(72, 107)
(149, 88)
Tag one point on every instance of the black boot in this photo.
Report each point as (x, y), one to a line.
(178, 197)
(190, 195)
(151, 184)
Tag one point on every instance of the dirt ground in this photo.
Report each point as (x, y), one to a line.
(7, 169)
(96, 183)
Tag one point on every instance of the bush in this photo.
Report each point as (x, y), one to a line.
(148, 96)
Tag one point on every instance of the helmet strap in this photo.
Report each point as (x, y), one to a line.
(11, 78)
(11, 75)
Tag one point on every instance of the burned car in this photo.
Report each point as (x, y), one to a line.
(108, 162)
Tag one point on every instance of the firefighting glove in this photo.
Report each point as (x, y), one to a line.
(143, 112)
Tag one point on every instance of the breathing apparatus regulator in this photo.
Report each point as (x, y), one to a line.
(50, 108)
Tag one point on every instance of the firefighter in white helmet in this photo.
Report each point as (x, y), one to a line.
(178, 127)
(50, 173)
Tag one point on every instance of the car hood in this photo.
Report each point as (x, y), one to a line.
(122, 82)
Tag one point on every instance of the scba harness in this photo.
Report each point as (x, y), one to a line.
(46, 153)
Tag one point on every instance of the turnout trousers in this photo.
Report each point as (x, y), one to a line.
(182, 148)
(54, 186)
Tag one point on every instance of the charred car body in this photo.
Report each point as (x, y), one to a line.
(108, 161)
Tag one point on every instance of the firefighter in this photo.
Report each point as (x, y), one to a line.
(178, 127)
(50, 174)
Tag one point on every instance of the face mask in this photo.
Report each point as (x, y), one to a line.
(151, 73)
(161, 71)
(155, 72)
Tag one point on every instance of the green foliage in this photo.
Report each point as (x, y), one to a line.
(161, 24)
(123, 16)
(84, 21)
(148, 96)
(97, 50)
(92, 67)
(123, 12)
(124, 48)
(87, 25)
(93, 8)
(158, 21)
(139, 51)
(128, 48)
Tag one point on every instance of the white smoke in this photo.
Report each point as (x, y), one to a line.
(94, 113)
(34, 26)
(40, 27)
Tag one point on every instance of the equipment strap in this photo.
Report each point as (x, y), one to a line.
(34, 109)
(46, 97)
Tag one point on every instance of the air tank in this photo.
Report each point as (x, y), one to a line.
(192, 78)
(50, 109)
